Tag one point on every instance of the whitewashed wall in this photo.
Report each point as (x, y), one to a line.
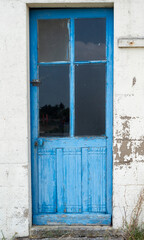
(128, 151)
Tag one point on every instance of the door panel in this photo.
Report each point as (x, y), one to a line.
(71, 115)
(97, 179)
(47, 181)
(76, 175)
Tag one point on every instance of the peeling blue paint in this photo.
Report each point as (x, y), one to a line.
(71, 177)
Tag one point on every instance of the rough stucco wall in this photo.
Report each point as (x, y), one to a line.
(128, 177)
(14, 201)
(128, 151)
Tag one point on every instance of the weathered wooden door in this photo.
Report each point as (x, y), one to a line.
(71, 115)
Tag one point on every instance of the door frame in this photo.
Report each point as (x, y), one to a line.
(36, 13)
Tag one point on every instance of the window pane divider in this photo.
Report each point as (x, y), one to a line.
(53, 63)
(72, 82)
(87, 62)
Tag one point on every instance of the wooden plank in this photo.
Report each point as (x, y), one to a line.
(60, 181)
(47, 182)
(34, 111)
(49, 143)
(69, 219)
(71, 13)
(72, 180)
(109, 110)
(85, 180)
(97, 180)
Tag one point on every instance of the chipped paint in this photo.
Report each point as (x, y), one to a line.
(139, 150)
(122, 152)
(127, 151)
(126, 126)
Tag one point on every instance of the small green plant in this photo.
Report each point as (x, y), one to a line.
(4, 238)
(132, 230)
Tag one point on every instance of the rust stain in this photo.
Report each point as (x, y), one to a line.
(131, 43)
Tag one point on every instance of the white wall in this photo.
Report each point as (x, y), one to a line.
(128, 177)
(14, 137)
(128, 171)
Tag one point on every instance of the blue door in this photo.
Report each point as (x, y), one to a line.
(71, 115)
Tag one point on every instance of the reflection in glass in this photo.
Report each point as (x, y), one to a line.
(53, 40)
(90, 100)
(90, 39)
(54, 101)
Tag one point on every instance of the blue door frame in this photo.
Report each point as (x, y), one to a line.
(43, 149)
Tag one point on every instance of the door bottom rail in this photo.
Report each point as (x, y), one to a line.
(72, 219)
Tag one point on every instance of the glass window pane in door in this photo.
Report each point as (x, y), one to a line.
(90, 99)
(54, 101)
(90, 39)
(53, 40)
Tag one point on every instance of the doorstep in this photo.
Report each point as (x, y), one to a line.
(75, 232)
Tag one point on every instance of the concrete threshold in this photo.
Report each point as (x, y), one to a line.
(75, 232)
